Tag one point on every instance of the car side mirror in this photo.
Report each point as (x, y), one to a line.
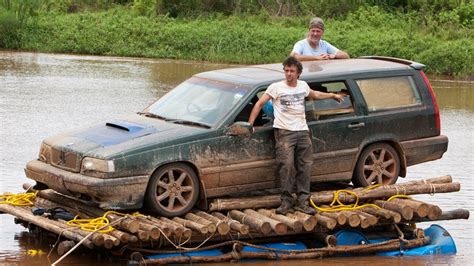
(240, 128)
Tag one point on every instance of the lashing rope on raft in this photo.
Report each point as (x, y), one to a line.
(337, 205)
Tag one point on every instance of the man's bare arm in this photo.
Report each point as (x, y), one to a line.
(258, 107)
(342, 55)
(318, 95)
(309, 57)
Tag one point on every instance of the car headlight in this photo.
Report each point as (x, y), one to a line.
(45, 153)
(99, 165)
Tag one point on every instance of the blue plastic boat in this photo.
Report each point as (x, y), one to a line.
(441, 244)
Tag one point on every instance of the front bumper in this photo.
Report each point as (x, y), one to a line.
(112, 193)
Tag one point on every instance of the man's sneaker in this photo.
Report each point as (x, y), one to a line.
(284, 208)
(306, 209)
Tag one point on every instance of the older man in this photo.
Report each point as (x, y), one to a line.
(313, 47)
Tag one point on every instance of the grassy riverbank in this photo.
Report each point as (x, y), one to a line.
(444, 43)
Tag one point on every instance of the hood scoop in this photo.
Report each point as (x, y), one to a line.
(115, 132)
(122, 125)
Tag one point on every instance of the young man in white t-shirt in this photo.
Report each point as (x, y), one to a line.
(292, 137)
(313, 47)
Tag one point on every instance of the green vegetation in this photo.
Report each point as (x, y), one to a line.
(438, 34)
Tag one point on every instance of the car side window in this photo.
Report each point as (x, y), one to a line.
(262, 119)
(389, 92)
(329, 108)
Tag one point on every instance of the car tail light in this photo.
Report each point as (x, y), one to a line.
(435, 103)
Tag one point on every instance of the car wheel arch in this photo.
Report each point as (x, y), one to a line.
(394, 144)
(189, 164)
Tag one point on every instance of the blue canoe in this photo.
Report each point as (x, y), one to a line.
(441, 243)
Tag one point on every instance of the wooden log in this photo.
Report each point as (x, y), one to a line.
(309, 221)
(245, 203)
(97, 238)
(370, 218)
(338, 216)
(420, 208)
(234, 225)
(253, 222)
(329, 240)
(364, 221)
(292, 223)
(164, 228)
(192, 225)
(352, 218)
(152, 230)
(110, 241)
(143, 235)
(433, 211)
(231, 256)
(122, 236)
(325, 221)
(326, 197)
(211, 227)
(434, 180)
(277, 226)
(222, 227)
(178, 229)
(44, 223)
(446, 215)
(405, 211)
(383, 213)
(65, 246)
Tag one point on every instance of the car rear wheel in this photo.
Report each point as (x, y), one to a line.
(173, 190)
(378, 164)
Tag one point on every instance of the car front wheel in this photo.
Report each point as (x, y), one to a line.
(378, 164)
(173, 190)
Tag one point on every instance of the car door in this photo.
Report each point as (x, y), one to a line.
(337, 130)
(247, 163)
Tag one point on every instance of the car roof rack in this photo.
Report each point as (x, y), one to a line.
(412, 64)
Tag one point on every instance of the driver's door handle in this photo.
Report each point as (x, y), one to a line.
(356, 125)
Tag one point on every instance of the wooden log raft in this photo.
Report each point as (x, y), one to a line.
(44, 223)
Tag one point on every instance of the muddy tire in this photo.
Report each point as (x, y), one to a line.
(173, 190)
(378, 164)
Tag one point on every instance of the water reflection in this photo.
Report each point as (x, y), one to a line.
(43, 94)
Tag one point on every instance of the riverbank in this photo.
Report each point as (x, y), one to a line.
(445, 46)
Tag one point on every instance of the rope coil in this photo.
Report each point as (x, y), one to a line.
(21, 199)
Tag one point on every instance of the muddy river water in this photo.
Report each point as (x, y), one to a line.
(43, 94)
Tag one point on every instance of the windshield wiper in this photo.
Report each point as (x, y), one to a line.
(148, 114)
(186, 122)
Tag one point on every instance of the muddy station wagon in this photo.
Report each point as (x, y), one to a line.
(194, 143)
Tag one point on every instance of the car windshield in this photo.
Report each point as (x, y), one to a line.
(197, 102)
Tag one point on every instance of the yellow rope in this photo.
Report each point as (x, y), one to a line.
(21, 199)
(95, 223)
(333, 207)
(399, 196)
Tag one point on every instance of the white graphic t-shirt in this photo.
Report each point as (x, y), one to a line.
(288, 105)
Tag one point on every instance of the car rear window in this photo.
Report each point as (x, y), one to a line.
(389, 92)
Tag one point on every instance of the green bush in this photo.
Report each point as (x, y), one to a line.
(445, 45)
(8, 29)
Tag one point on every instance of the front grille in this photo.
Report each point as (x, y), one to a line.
(66, 160)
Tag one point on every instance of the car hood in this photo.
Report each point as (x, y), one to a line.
(120, 136)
